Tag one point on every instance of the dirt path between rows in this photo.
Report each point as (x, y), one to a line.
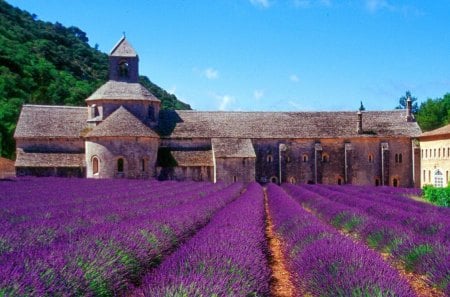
(280, 284)
(416, 281)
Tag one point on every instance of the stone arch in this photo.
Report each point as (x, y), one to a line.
(305, 158)
(273, 179)
(396, 181)
(95, 161)
(292, 180)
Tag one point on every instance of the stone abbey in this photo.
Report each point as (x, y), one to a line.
(123, 133)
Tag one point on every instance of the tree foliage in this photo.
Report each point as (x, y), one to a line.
(46, 63)
(402, 102)
(434, 113)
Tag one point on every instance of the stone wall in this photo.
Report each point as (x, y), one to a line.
(138, 154)
(194, 173)
(356, 161)
(434, 156)
(51, 171)
(235, 169)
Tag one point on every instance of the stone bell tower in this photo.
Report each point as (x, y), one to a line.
(123, 62)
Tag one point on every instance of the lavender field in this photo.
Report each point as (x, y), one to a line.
(84, 237)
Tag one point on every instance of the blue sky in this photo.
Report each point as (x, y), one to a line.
(274, 55)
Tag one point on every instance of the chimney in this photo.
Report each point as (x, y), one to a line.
(359, 128)
(409, 117)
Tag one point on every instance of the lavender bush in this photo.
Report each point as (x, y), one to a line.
(225, 258)
(418, 237)
(325, 262)
(100, 236)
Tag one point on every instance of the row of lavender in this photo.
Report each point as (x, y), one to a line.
(38, 213)
(113, 235)
(326, 263)
(226, 258)
(416, 234)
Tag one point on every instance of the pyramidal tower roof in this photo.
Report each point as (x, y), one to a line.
(123, 49)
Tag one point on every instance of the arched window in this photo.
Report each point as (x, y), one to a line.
(274, 179)
(438, 179)
(400, 158)
(143, 165)
(396, 158)
(123, 68)
(426, 153)
(269, 158)
(429, 176)
(305, 158)
(370, 158)
(439, 152)
(339, 181)
(292, 180)
(325, 158)
(95, 165)
(120, 165)
(395, 182)
(234, 178)
(424, 176)
(434, 153)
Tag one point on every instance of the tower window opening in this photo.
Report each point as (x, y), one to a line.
(120, 165)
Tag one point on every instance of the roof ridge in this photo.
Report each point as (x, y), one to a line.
(53, 106)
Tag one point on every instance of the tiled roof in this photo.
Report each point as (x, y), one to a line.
(49, 160)
(437, 132)
(252, 125)
(123, 49)
(51, 121)
(193, 158)
(233, 148)
(122, 123)
(118, 90)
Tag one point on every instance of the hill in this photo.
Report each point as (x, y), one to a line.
(46, 63)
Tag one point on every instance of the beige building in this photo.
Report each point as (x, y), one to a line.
(435, 157)
(122, 133)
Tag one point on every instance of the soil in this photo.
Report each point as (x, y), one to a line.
(281, 284)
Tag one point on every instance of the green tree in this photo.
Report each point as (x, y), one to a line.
(434, 113)
(402, 102)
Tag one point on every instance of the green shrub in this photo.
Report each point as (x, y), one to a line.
(438, 196)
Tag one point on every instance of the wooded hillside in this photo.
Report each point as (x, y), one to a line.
(46, 63)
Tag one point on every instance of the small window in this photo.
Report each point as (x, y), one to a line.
(424, 175)
(426, 153)
(305, 158)
(292, 180)
(120, 165)
(400, 158)
(439, 152)
(448, 152)
(370, 158)
(429, 176)
(434, 153)
(339, 181)
(95, 167)
(269, 159)
(325, 158)
(235, 179)
(274, 179)
(377, 182)
(396, 158)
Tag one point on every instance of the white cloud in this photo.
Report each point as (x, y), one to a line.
(258, 94)
(309, 3)
(224, 101)
(211, 73)
(172, 90)
(375, 5)
(294, 78)
(261, 3)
